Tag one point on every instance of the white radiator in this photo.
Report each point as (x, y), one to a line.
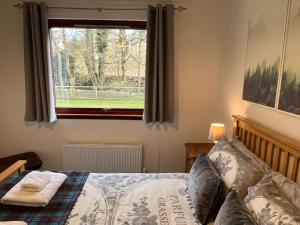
(103, 158)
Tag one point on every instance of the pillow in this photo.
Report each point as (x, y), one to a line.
(269, 206)
(206, 189)
(234, 212)
(290, 189)
(261, 165)
(235, 168)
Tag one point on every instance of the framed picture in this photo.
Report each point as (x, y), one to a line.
(289, 100)
(266, 35)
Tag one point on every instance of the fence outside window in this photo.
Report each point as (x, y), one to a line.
(99, 93)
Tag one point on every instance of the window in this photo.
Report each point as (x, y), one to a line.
(99, 68)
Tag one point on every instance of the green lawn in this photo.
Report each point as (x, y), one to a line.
(130, 104)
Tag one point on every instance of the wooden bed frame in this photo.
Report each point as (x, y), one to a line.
(281, 153)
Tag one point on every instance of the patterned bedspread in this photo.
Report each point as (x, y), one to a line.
(56, 212)
(134, 199)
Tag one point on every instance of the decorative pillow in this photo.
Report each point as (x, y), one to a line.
(261, 165)
(235, 168)
(206, 189)
(269, 206)
(234, 212)
(290, 189)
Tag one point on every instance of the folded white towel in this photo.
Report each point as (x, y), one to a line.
(13, 223)
(16, 196)
(35, 181)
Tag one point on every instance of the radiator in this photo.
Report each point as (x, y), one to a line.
(103, 158)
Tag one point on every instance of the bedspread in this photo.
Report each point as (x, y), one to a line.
(134, 199)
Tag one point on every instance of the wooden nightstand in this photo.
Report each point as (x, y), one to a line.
(192, 152)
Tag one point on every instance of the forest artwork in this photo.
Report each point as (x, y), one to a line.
(289, 100)
(264, 52)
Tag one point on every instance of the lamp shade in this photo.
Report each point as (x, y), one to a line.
(216, 131)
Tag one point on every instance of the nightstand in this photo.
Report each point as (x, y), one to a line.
(192, 152)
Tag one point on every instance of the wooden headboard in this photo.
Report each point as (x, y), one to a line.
(281, 153)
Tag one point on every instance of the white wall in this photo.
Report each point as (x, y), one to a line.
(197, 44)
(232, 73)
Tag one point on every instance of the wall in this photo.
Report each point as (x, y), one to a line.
(197, 49)
(232, 69)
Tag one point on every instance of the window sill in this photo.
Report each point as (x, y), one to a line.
(98, 113)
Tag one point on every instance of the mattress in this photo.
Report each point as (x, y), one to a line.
(137, 199)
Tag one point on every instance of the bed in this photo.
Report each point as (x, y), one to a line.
(123, 199)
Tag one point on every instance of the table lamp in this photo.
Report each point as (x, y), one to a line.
(216, 132)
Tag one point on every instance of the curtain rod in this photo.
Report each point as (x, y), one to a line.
(99, 9)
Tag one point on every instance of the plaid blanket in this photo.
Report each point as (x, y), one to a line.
(58, 209)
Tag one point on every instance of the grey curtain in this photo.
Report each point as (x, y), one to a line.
(40, 104)
(159, 91)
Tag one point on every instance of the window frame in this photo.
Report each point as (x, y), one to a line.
(96, 113)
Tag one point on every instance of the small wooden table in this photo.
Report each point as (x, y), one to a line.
(192, 152)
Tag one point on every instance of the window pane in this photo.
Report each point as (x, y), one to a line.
(99, 68)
